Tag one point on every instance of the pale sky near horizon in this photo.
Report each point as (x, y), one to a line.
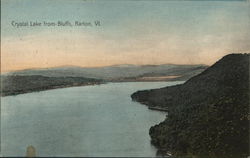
(131, 32)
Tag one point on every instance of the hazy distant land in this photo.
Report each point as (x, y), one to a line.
(13, 85)
(25, 81)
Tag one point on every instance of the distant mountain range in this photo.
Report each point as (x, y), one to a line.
(120, 72)
(208, 115)
(31, 80)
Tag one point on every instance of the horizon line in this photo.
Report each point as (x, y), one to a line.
(76, 66)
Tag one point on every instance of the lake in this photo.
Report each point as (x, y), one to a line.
(99, 120)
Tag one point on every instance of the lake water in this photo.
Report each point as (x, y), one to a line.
(99, 120)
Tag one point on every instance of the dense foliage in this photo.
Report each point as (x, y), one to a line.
(208, 115)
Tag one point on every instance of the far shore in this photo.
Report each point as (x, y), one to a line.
(45, 88)
(3, 94)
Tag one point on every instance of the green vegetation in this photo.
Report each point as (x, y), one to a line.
(13, 85)
(208, 115)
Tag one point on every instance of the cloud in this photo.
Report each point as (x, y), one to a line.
(49, 49)
(142, 40)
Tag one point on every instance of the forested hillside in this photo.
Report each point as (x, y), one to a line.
(208, 115)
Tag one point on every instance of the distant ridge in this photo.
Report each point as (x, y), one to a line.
(208, 114)
(125, 72)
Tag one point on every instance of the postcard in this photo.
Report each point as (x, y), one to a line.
(125, 78)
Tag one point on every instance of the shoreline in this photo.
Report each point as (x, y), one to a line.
(158, 108)
(4, 94)
(46, 88)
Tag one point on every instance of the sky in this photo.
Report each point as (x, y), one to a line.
(131, 32)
